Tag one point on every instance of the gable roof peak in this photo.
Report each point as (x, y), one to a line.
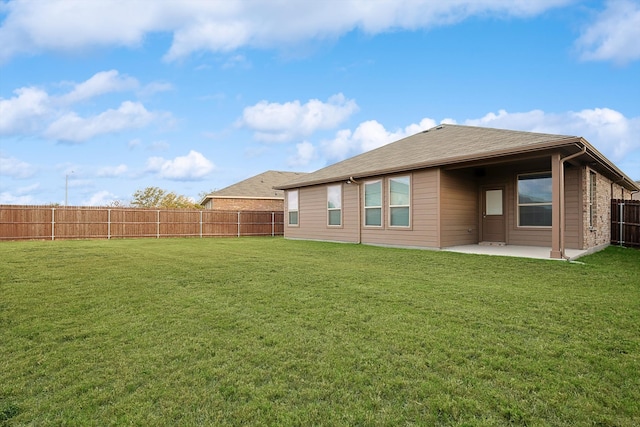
(257, 186)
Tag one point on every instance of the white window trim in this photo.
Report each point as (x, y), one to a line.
(408, 226)
(329, 210)
(364, 221)
(518, 204)
(297, 208)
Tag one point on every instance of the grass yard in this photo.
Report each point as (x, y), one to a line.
(266, 331)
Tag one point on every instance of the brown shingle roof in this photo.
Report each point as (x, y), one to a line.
(441, 145)
(259, 186)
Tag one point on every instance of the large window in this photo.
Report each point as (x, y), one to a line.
(399, 201)
(292, 206)
(373, 204)
(334, 205)
(534, 200)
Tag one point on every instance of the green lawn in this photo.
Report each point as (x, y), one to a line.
(266, 331)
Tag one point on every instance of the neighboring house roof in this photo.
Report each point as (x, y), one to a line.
(446, 145)
(256, 187)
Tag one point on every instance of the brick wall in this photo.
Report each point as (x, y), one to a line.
(600, 233)
(234, 204)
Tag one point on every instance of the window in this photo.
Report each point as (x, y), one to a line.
(373, 204)
(493, 202)
(534, 200)
(399, 201)
(334, 205)
(292, 206)
(592, 199)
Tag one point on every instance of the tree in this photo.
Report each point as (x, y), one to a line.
(204, 194)
(154, 197)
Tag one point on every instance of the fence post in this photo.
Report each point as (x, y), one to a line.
(238, 223)
(53, 223)
(273, 224)
(157, 224)
(201, 224)
(108, 224)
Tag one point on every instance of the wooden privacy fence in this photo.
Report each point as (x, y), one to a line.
(47, 222)
(625, 222)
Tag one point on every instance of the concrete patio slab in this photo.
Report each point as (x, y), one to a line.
(516, 251)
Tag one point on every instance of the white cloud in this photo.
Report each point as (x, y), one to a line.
(23, 112)
(22, 191)
(101, 198)
(305, 153)
(155, 87)
(20, 195)
(74, 25)
(341, 147)
(213, 35)
(274, 122)
(223, 26)
(368, 136)
(33, 111)
(99, 84)
(10, 166)
(7, 198)
(193, 166)
(73, 128)
(608, 130)
(615, 35)
(112, 171)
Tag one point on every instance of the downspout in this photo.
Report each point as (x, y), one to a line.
(562, 213)
(621, 187)
(353, 181)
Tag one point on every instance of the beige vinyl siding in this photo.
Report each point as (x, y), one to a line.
(458, 208)
(445, 206)
(312, 208)
(423, 231)
(573, 208)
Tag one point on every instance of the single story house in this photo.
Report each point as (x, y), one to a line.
(252, 194)
(458, 185)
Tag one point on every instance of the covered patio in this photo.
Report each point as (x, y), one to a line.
(537, 252)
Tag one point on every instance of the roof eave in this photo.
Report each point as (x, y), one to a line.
(249, 197)
(564, 142)
(622, 178)
(204, 200)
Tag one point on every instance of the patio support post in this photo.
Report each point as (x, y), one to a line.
(556, 195)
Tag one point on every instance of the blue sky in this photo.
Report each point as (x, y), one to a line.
(102, 98)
